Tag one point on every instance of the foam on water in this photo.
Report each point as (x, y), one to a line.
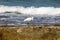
(30, 10)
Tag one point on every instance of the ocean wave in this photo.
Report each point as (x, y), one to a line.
(30, 10)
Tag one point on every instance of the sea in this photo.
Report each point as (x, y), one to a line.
(45, 12)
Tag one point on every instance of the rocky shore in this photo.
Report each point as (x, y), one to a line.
(30, 33)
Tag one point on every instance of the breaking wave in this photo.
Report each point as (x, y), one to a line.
(30, 10)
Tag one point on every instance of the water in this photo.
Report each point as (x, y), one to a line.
(28, 3)
(13, 12)
(18, 19)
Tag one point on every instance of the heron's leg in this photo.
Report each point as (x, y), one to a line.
(28, 24)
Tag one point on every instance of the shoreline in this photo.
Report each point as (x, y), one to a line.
(41, 26)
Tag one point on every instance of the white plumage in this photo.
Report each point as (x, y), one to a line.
(29, 19)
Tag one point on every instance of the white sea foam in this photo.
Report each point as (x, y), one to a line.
(31, 10)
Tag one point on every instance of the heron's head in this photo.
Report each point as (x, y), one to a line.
(32, 17)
